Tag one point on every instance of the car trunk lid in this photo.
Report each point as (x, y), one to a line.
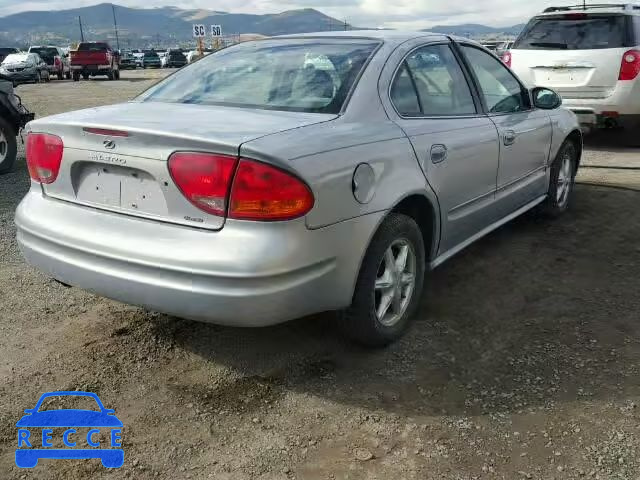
(577, 54)
(123, 168)
(577, 74)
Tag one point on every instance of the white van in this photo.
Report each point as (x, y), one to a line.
(590, 56)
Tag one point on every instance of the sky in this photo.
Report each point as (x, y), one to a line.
(402, 14)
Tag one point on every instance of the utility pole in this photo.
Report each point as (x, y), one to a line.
(81, 32)
(345, 25)
(115, 26)
(584, 4)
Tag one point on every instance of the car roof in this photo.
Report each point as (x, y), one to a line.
(390, 36)
(620, 8)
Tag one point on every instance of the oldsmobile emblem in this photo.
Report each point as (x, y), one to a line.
(107, 158)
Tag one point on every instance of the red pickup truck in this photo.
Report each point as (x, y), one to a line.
(94, 58)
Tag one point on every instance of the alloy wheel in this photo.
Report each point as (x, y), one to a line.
(395, 282)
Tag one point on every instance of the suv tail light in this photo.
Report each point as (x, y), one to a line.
(506, 58)
(44, 156)
(263, 192)
(249, 190)
(57, 62)
(203, 178)
(630, 67)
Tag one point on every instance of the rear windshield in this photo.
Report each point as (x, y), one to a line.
(93, 47)
(150, 55)
(44, 51)
(574, 32)
(6, 51)
(176, 55)
(305, 75)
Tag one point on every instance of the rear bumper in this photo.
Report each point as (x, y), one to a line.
(247, 274)
(623, 105)
(91, 69)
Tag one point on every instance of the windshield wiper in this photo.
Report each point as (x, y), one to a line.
(560, 46)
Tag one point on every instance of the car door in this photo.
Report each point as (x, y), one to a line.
(455, 143)
(525, 132)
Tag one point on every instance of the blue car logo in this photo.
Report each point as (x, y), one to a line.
(74, 428)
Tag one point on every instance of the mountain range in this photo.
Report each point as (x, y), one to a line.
(138, 27)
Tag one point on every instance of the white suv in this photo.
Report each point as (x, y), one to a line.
(591, 56)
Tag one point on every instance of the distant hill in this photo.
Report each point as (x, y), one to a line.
(476, 30)
(138, 26)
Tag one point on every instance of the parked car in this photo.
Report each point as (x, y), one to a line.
(128, 62)
(231, 193)
(13, 117)
(175, 59)
(4, 51)
(94, 59)
(57, 61)
(138, 57)
(151, 60)
(24, 68)
(591, 56)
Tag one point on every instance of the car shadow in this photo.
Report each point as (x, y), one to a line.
(538, 312)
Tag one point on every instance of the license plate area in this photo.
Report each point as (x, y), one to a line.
(122, 188)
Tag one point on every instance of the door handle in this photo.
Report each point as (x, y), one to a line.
(509, 137)
(438, 153)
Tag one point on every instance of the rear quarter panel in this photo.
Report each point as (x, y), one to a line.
(326, 156)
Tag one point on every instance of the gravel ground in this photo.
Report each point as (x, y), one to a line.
(523, 362)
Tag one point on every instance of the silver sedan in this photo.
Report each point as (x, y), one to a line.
(294, 175)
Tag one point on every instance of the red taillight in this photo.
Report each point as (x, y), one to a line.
(259, 191)
(44, 155)
(263, 192)
(204, 178)
(506, 58)
(56, 62)
(630, 67)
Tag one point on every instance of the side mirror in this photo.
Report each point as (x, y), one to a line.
(545, 98)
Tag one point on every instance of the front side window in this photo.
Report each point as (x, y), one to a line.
(501, 91)
(307, 75)
(432, 78)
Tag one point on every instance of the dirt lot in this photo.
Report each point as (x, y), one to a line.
(524, 361)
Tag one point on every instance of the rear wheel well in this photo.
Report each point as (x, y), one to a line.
(576, 138)
(421, 210)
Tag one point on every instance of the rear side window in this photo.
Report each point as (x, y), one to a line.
(404, 95)
(434, 75)
(575, 31)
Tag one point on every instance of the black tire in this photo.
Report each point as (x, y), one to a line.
(76, 77)
(556, 205)
(85, 76)
(11, 146)
(47, 79)
(38, 78)
(116, 74)
(60, 75)
(360, 321)
(67, 75)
